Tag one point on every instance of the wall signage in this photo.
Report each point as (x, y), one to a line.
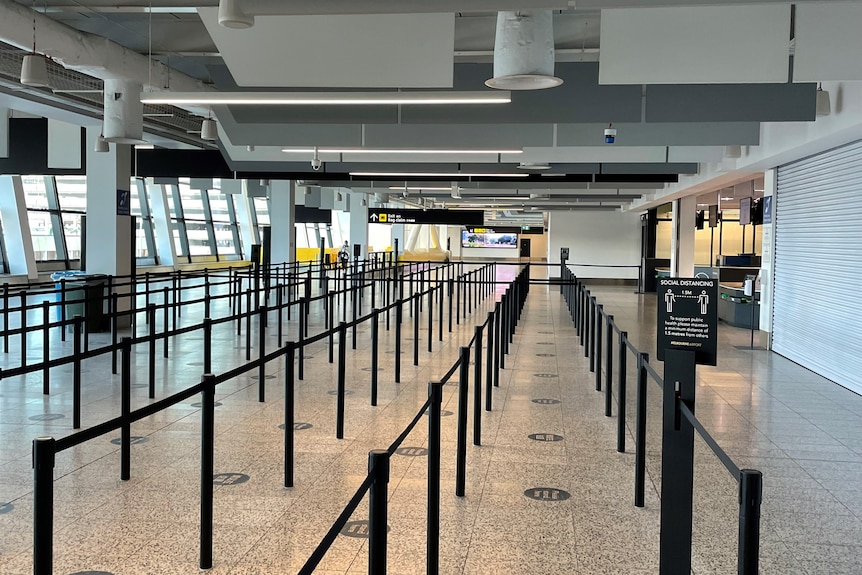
(451, 217)
(124, 203)
(688, 317)
(767, 210)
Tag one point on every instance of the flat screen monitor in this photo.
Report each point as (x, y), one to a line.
(713, 216)
(744, 211)
(474, 239)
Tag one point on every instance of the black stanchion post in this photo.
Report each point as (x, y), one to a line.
(461, 459)
(498, 351)
(332, 297)
(22, 297)
(342, 360)
(750, 498)
(504, 338)
(151, 351)
(46, 347)
(207, 468)
(303, 321)
(125, 410)
(489, 366)
(596, 361)
(76, 373)
(261, 352)
(378, 467)
(440, 311)
(44, 455)
(609, 366)
(398, 313)
(279, 304)
(375, 329)
(477, 388)
(621, 393)
(415, 304)
(451, 283)
(640, 433)
(457, 281)
(432, 530)
(289, 414)
(165, 324)
(354, 308)
(677, 463)
(6, 316)
(62, 310)
(430, 318)
(208, 338)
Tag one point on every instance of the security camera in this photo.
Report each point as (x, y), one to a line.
(315, 164)
(610, 135)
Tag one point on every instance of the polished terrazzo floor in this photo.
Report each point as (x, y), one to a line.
(803, 432)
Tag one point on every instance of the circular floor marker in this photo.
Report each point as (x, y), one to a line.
(547, 494)
(229, 478)
(199, 404)
(546, 355)
(134, 440)
(6, 508)
(412, 451)
(443, 413)
(392, 352)
(46, 417)
(307, 357)
(358, 529)
(545, 332)
(546, 437)
(335, 392)
(369, 369)
(92, 573)
(545, 401)
(545, 343)
(297, 425)
(546, 375)
(265, 377)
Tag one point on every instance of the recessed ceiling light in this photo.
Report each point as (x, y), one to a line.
(422, 189)
(394, 151)
(324, 98)
(531, 166)
(433, 175)
(145, 147)
(726, 199)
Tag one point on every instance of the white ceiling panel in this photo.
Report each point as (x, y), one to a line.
(340, 51)
(695, 45)
(581, 154)
(828, 42)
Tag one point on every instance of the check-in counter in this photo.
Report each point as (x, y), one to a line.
(734, 307)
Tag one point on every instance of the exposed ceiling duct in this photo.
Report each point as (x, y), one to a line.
(123, 119)
(524, 51)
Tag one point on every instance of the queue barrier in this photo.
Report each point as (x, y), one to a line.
(478, 284)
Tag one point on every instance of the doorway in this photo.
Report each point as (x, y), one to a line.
(525, 248)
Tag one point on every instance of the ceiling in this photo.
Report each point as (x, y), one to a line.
(664, 130)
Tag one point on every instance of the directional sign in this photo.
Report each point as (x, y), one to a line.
(124, 205)
(453, 217)
(688, 317)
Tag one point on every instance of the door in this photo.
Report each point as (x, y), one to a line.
(525, 248)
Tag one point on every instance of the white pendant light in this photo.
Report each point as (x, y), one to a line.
(34, 67)
(524, 51)
(822, 106)
(34, 71)
(231, 15)
(209, 131)
(101, 145)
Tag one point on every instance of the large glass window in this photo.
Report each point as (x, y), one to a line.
(72, 196)
(145, 237)
(43, 215)
(225, 223)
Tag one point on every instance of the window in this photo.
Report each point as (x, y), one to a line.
(72, 197)
(225, 223)
(43, 215)
(145, 238)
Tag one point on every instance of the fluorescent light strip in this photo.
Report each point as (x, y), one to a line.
(433, 175)
(393, 151)
(402, 188)
(323, 98)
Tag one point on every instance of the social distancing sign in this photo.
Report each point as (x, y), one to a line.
(688, 317)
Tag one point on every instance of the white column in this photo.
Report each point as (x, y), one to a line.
(682, 240)
(767, 259)
(282, 217)
(109, 229)
(359, 222)
(16, 228)
(160, 209)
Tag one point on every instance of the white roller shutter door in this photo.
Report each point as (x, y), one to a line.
(817, 308)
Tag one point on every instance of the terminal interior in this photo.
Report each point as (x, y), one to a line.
(346, 288)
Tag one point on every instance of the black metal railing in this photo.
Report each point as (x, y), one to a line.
(678, 424)
(474, 285)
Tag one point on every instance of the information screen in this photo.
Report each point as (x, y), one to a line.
(488, 239)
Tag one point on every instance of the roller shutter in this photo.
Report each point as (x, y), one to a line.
(817, 308)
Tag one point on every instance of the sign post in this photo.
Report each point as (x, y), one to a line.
(687, 335)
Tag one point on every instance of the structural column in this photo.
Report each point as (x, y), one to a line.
(767, 260)
(682, 240)
(110, 237)
(282, 217)
(359, 222)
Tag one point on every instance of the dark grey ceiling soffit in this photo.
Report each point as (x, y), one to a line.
(579, 100)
